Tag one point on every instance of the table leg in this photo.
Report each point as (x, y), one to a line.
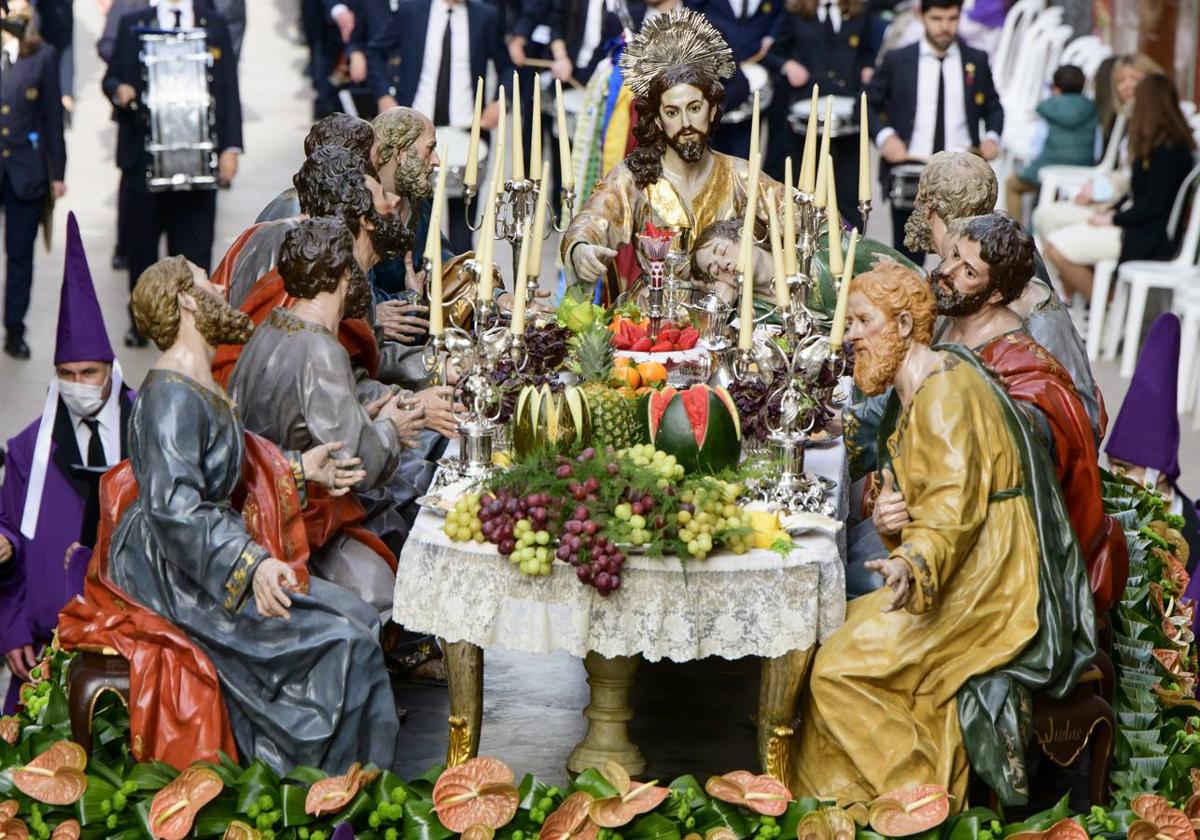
(778, 695)
(464, 682)
(607, 737)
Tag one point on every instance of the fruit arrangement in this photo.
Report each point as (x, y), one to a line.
(699, 426)
(601, 505)
(635, 337)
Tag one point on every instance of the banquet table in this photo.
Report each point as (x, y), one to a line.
(755, 604)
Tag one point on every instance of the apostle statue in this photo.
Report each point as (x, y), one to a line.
(957, 185)
(986, 597)
(49, 500)
(672, 179)
(301, 674)
(295, 386)
(987, 263)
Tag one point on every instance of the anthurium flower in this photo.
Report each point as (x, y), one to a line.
(239, 830)
(174, 808)
(332, 794)
(632, 799)
(1065, 829)
(15, 830)
(570, 821)
(480, 792)
(10, 729)
(910, 810)
(762, 794)
(56, 776)
(1158, 819)
(66, 830)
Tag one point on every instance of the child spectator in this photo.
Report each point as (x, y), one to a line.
(1070, 134)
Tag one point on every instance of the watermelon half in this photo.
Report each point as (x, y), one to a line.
(699, 426)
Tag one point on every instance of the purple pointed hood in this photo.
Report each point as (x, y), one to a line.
(343, 832)
(81, 333)
(1147, 429)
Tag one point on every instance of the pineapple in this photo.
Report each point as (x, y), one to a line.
(614, 422)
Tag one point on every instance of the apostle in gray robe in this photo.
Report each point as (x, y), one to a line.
(302, 673)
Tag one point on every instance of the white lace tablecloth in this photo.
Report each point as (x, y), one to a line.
(755, 604)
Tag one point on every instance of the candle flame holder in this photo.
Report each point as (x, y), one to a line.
(864, 210)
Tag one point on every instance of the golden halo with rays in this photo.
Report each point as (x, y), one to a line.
(680, 38)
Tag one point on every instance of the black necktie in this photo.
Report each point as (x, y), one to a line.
(939, 123)
(5, 60)
(95, 453)
(441, 105)
(178, 18)
(828, 7)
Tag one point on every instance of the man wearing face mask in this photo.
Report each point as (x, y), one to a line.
(49, 499)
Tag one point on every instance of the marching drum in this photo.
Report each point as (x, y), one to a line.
(903, 193)
(455, 143)
(842, 124)
(760, 82)
(180, 142)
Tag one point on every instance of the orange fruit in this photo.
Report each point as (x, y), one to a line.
(652, 372)
(626, 376)
(623, 361)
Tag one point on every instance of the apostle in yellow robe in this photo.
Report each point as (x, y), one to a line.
(986, 597)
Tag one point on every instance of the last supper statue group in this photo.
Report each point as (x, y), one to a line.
(985, 503)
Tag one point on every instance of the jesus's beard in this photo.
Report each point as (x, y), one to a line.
(689, 144)
(877, 359)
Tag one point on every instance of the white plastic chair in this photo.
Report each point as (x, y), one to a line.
(1098, 307)
(1136, 278)
(1016, 22)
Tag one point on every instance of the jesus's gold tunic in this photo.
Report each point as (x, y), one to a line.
(618, 208)
(881, 710)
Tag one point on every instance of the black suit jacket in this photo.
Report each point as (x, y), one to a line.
(32, 150)
(835, 65)
(404, 36)
(126, 68)
(568, 22)
(892, 95)
(744, 35)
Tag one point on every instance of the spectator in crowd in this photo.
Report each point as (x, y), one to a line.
(1127, 71)
(1068, 135)
(828, 44)
(234, 12)
(1134, 228)
(187, 217)
(751, 28)
(447, 45)
(930, 97)
(1144, 444)
(33, 157)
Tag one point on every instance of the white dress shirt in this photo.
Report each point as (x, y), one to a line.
(109, 418)
(462, 92)
(166, 13)
(834, 10)
(744, 8)
(591, 32)
(13, 48)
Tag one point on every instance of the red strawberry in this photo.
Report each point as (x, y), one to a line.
(688, 339)
(671, 335)
(621, 341)
(642, 345)
(662, 347)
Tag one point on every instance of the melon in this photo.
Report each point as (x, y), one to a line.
(545, 420)
(699, 426)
